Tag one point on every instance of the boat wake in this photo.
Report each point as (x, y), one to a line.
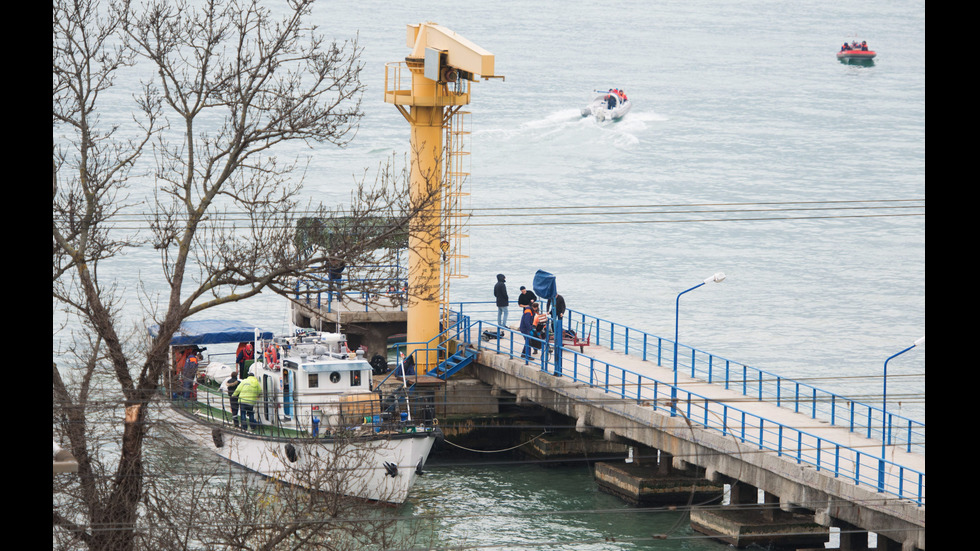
(569, 126)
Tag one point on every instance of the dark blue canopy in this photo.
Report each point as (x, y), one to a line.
(212, 332)
(544, 285)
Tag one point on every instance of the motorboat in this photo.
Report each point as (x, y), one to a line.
(323, 422)
(855, 52)
(608, 105)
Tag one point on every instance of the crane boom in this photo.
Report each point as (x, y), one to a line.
(461, 53)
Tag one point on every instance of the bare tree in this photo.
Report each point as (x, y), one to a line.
(220, 509)
(232, 84)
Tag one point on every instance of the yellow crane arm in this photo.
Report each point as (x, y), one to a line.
(461, 53)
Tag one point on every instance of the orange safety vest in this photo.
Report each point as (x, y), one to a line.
(272, 357)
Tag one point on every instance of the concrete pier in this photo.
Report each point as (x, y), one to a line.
(723, 455)
(762, 525)
(646, 485)
(569, 446)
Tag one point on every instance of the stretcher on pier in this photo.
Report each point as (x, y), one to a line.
(571, 338)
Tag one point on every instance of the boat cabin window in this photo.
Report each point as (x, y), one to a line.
(313, 380)
(355, 378)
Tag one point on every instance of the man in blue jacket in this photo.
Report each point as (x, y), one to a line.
(527, 329)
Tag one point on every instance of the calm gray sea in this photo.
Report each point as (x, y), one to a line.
(746, 141)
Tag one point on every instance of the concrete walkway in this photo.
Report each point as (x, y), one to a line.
(852, 443)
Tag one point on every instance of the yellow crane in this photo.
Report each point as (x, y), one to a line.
(428, 89)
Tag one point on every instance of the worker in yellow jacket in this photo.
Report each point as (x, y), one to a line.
(248, 392)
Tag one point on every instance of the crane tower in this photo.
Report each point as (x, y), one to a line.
(428, 89)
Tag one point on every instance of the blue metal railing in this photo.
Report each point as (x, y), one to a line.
(433, 351)
(838, 410)
(747, 428)
(320, 291)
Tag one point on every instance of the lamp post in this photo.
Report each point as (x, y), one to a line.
(717, 278)
(885, 424)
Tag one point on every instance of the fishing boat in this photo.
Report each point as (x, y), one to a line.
(855, 53)
(323, 422)
(608, 105)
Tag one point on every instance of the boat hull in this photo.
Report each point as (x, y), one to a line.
(855, 55)
(373, 466)
(601, 113)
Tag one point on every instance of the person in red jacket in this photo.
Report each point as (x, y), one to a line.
(244, 354)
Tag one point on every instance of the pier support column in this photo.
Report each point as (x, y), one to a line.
(743, 494)
(886, 544)
(852, 538)
(770, 506)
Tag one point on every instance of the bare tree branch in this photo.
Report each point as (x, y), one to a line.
(231, 86)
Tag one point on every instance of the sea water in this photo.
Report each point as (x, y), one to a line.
(749, 150)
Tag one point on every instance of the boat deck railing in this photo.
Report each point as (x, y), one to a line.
(375, 413)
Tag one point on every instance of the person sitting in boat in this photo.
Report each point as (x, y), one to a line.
(864, 45)
(611, 101)
(845, 47)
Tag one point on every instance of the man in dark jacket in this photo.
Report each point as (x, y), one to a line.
(527, 328)
(527, 297)
(232, 385)
(500, 292)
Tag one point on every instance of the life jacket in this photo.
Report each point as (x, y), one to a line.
(272, 357)
(182, 357)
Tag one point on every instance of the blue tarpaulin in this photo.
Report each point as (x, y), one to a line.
(544, 285)
(212, 332)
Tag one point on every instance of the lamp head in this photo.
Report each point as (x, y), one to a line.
(717, 278)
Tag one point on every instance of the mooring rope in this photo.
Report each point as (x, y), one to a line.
(495, 451)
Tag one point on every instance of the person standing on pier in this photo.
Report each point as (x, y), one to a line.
(500, 293)
(527, 329)
(526, 298)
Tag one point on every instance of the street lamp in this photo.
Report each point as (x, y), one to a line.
(886, 431)
(717, 278)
